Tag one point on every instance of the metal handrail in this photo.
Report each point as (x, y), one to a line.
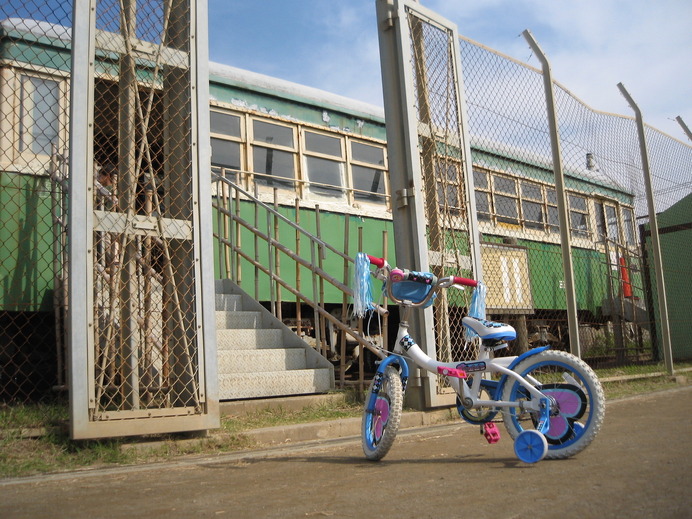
(224, 204)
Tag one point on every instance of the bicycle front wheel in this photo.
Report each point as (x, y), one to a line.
(577, 401)
(382, 414)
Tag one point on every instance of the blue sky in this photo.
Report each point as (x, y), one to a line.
(592, 45)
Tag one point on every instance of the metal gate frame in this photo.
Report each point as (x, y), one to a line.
(411, 200)
(85, 423)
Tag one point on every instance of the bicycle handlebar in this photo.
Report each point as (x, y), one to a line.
(451, 280)
(378, 262)
(465, 281)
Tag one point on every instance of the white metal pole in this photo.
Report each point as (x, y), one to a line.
(563, 213)
(653, 226)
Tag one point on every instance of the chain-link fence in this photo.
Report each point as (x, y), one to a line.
(444, 165)
(34, 88)
(516, 202)
(142, 355)
(144, 358)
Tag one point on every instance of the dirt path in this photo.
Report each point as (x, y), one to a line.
(640, 466)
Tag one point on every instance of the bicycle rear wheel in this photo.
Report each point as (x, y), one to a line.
(577, 401)
(382, 414)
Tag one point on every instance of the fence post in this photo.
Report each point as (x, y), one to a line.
(563, 213)
(684, 127)
(653, 225)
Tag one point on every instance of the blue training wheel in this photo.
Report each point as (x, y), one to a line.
(530, 446)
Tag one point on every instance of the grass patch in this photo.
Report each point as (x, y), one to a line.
(271, 417)
(624, 388)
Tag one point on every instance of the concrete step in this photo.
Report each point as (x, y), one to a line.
(274, 383)
(237, 319)
(229, 302)
(248, 339)
(249, 361)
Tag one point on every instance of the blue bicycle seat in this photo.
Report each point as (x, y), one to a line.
(490, 329)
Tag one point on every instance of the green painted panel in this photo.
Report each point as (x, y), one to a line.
(332, 231)
(547, 279)
(26, 238)
(675, 236)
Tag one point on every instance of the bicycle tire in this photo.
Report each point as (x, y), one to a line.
(380, 426)
(576, 389)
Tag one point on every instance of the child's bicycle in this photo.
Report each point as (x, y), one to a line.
(552, 403)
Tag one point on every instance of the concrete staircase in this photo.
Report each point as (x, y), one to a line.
(258, 356)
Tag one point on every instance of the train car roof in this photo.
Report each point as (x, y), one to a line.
(295, 91)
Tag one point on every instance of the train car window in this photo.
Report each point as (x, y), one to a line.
(39, 114)
(532, 206)
(272, 134)
(224, 124)
(507, 203)
(483, 206)
(600, 221)
(324, 164)
(628, 224)
(225, 154)
(553, 216)
(480, 179)
(578, 216)
(326, 176)
(365, 153)
(447, 173)
(612, 221)
(368, 184)
(505, 185)
(273, 167)
(323, 144)
(368, 181)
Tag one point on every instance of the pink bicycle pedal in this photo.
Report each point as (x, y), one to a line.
(451, 372)
(491, 432)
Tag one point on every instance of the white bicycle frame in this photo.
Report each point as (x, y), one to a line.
(407, 348)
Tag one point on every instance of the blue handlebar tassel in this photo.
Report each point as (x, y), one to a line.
(362, 286)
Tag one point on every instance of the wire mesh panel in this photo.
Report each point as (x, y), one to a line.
(516, 201)
(34, 85)
(145, 357)
(443, 160)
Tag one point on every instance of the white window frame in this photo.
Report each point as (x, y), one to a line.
(293, 150)
(12, 157)
(351, 161)
(241, 140)
(306, 154)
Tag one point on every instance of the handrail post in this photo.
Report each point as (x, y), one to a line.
(344, 307)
